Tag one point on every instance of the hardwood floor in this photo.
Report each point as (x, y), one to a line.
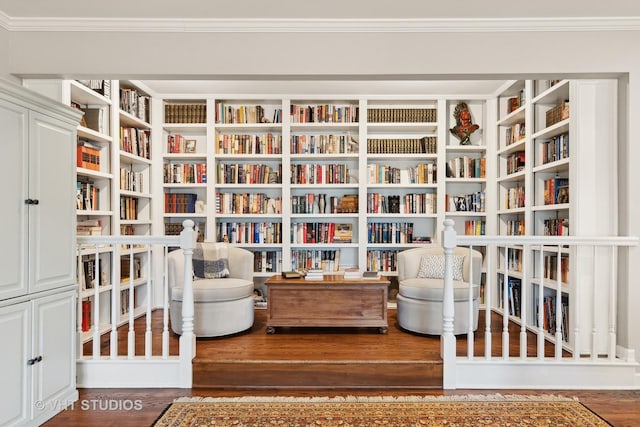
(331, 346)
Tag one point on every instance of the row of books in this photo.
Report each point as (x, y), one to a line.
(320, 174)
(475, 227)
(136, 141)
(382, 260)
(515, 133)
(514, 259)
(467, 167)
(180, 202)
(175, 228)
(249, 232)
(87, 195)
(556, 227)
(246, 173)
(416, 203)
(130, 268)
(557, 148)
(557, 114)
(516, 102)
(177, 143)
(247, 203)
(549, 323)
(423, 173)
(311, 203)
(131, 180)
(556, 190)
(515, 227)
(424, 145)
(515, 197)
(129, 208)
(125, 301)
(267, 261)
(324, 113)
(227, 114)
(390, 232)
(185, 173)
(185, 112)
(402, 115)
(103, 87)
(321, 232)
(550, 268)
(96, 119)
(474, 202)
(515, 162)
(90, 271)
(135, 103)
(266, 143)
(323, 144)
(514, 292)
(324, 260)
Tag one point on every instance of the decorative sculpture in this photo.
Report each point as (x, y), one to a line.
(464, 127)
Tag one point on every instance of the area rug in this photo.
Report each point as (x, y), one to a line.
(451, 411)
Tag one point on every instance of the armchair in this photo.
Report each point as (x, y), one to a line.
(222, 306)
(420, 299)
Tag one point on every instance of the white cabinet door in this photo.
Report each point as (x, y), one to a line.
(54, 376)
(15, 330)
(13, 191)
(52, 219)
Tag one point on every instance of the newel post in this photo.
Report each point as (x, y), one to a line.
(448, 339)
(187, 339)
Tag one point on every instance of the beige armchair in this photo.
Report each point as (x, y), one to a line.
(222, 306)
(420, 298)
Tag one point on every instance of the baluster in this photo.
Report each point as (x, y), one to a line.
(487, 301)
(148, 349)
(165, 304)
(613, 301)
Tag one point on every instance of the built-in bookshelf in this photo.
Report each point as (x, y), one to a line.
(465, 198)
(186, 164)
(114, 172)
(542, 151)
(403, 177)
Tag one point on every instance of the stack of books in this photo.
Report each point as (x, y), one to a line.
(314, 274)
(371, 274)
(352, 273)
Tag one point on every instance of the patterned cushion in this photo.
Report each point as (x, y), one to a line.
(210, 261)
(432, 267)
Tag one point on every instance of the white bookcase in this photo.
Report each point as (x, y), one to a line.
(120, 179)
(568, 179)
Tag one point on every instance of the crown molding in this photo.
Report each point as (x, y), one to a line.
(418, 25)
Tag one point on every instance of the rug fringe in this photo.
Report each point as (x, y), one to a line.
(386, 399)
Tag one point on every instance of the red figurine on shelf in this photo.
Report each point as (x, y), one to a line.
(464, 127)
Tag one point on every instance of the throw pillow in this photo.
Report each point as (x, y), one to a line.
(432, 267)
(210, 261)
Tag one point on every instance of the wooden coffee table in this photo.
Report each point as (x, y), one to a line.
(333, 301)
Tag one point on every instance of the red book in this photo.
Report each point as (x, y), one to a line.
(86, 315)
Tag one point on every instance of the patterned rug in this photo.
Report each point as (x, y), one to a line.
(451, 411)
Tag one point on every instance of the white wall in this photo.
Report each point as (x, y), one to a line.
(369, 55)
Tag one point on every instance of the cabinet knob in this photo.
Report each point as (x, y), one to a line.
(32, 201)
(34, 360)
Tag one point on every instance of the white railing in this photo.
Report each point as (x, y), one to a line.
(584, 351)
(128, 369)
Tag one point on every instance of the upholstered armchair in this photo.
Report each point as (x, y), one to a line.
(421, 289)
(222, 305)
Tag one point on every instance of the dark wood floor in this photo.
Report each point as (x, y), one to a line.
(329, 346)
